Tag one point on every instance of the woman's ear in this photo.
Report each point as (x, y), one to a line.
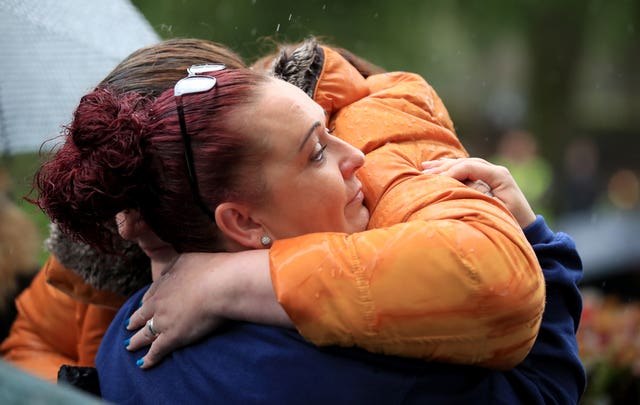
(236, 223)
(129, 224)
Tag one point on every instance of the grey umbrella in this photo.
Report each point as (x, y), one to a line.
(51, 53)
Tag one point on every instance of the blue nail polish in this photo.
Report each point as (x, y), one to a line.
(126, 342)
(127, 322)
(140, 304)
(140, 362)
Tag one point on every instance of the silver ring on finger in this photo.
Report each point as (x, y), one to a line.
(484, 184)
(152, 330)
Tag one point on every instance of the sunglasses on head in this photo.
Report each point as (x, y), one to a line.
(192, 84)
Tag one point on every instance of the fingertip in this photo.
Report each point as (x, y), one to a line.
(157, 351)
(127, 341)
(140, 362)
(148, 363)
(136, 320)
(127, 322)
(429, 163)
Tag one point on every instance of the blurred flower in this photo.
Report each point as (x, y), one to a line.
(624, 189)
(609, 345)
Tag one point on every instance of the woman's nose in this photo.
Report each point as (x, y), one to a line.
(352, 161)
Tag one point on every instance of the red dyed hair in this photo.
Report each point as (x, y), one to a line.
(125, 151)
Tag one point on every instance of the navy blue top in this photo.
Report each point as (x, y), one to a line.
(245, 363)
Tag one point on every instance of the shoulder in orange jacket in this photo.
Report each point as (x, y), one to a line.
(444, 273)
(53, 328)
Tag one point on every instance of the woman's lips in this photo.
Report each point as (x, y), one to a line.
(358, 197)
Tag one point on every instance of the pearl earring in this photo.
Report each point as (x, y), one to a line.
(265, 240)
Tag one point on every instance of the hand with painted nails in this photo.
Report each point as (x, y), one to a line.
(196, 295)
(480, 174)
(173, 311)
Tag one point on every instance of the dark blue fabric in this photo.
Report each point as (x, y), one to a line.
(252, 364)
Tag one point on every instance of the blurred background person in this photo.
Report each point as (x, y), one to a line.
(518, 151)
(579, 182)
(19, 248)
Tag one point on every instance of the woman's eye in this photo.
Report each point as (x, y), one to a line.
(318, 155)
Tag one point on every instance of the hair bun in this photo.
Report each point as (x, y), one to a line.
(104, 118)
(99, 169)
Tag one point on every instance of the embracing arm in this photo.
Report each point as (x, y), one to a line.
(450, 289)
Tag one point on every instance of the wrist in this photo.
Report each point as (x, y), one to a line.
(527, 219)
(248, 294)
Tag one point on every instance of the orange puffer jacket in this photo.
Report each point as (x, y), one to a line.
(444, 272)
(53, 328)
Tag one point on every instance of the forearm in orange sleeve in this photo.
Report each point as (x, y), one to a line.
(457, 283)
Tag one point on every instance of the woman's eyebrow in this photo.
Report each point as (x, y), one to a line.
(308, 135)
